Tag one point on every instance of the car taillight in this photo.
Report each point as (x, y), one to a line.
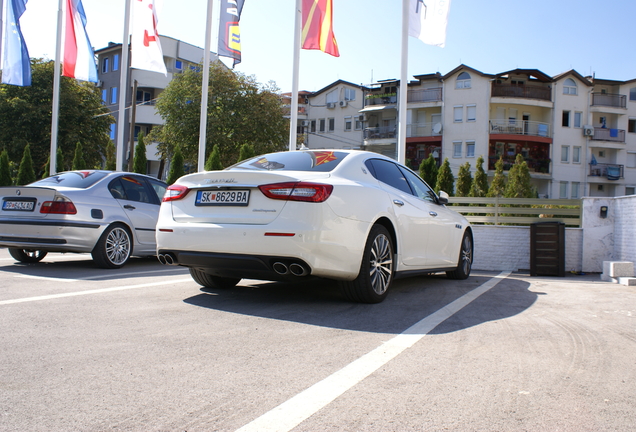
(175, 192)
(297, 191)
(60, 205)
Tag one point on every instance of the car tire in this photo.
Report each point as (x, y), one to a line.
(114, 247)
(27, 255)
(465, 261)
(210, 281)
(376, 269)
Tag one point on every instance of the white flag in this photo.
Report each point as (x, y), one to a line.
(145, 49)
(428, 19)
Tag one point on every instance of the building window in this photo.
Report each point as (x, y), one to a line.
(105, 64)
(632, 94)
(463, 81)
(576, 154)
(178, 64)
(332, 96)
(575, 190)
(565, 153)
(350, 94)
(471, 113)
(631, 125)
(105, 96)
(457, 149)
(113, 95)
(113, 131)
(116, 62)
(348, 124)
(630, 190)
(470, 149)
(359, 122)
(563, 190)
(458, 113)
(569, 87)
(312, 128)
(321, 124)
(577, 119)
(565, 121)
(332, 124)
(631, 160)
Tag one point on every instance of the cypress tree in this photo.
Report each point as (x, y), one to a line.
(519, 185)
(26, 174)
(428, 170)
(5, 170)
(214, 160)
(111, 160)
(176, 166)
(464, 181)
(78, 161)
(140, 163)
(247, 152)
(479, 187)
(445, 180)
(498, 185)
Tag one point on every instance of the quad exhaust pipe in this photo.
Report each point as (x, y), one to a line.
(295, 269)
(167, 259)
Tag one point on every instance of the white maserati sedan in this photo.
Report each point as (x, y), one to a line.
(353, 216)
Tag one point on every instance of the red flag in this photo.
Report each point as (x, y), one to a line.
(317, 26)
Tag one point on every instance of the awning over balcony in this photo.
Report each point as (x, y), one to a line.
(377, 108)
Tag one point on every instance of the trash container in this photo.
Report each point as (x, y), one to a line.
(547, 249)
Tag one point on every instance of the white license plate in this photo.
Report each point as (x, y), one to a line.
(223, 197)
(18, 205)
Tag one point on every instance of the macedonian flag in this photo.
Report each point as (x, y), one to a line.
(322, 157)
(317, 30)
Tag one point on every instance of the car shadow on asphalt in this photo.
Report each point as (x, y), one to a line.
(410, 300)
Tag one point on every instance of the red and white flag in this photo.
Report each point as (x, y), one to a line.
(145, 46)
(79, 57)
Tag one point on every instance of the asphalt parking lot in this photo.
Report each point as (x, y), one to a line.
(144, 348)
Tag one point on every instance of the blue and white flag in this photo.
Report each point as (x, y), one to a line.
(16, 64)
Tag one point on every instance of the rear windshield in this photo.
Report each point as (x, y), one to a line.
(321, 161)
(74, 179)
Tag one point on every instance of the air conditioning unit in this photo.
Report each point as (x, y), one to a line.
(331, 105)
(588, 130)
(100, 84)
(343, 103)
(306, 122)
(361, 117)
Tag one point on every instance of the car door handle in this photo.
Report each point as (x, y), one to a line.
(129, 207)
(432, 213)
(398, 202)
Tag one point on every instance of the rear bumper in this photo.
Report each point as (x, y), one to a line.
(50, 236)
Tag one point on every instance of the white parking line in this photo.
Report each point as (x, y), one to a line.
(94, 277)
(300, 407)
(88, 292)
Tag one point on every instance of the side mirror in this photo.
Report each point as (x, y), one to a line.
(443, 197)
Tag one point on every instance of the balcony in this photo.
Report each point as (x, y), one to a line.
(520, 127)
(541, 166)
(423, 130)
(424, 95)
(522, 91)
(609, 100)
(380, 99)
(610, 171)
(379, 132)
(609, 134)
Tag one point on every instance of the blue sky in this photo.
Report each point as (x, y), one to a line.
(592, 37)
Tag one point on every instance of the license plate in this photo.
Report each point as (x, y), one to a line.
(18, 205)
(223, 198)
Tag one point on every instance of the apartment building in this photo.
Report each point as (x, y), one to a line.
(178, 56)
(577, 134)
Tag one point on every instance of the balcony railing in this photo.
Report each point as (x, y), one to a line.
(521, 91)
(611, 171)
(422, 130)
(609, 100)
(534, 165)
(519, 127)
(379, 132)
(608, 134)
(425, 95)
(380, 99)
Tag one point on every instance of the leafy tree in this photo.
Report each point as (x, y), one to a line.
(445, 180)
(464, 181)
(240, 110)
(25, 117)
(247, 152)
(214, 161)
(111, 158)
(498, 185)
(428, 170)
(140, 164)
(519, 185)
(78, 160)
(176, 166)
(5, 170)
(26, 174)
(479, 187)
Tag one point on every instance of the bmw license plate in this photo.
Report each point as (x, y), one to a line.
(18, 205)
(237, 197)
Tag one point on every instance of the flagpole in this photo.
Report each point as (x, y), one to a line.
(53, 168)
(401, 143)
(203, 119)
(123, 84)
(293, 118)
(1, 29)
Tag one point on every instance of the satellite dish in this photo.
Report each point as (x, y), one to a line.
(437, 128)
